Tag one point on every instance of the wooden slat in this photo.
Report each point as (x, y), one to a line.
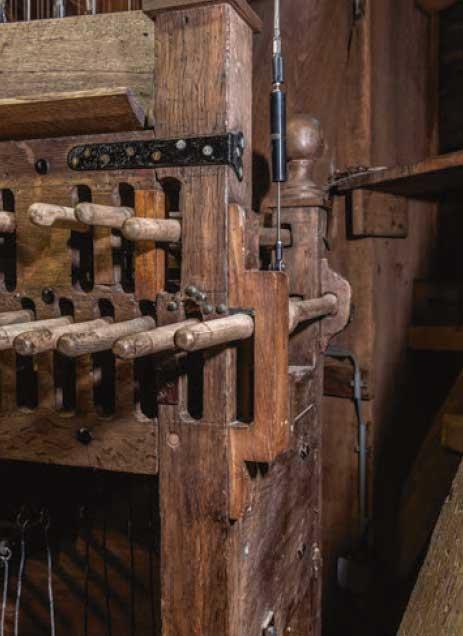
(426, 179)
(150, 260)
(152, 7)
(338, 380)
(435, 338)
(105, 110)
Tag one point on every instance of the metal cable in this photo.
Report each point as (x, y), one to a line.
(50, 576)
(5, 558)
(22, 565)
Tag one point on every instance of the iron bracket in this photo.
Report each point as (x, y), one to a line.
(215, 150)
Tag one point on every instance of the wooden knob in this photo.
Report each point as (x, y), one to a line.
(48, 215)
(150, 342)
(160, 230)
(304, 310)
(9, 333)
(305, 138)
(103, 215)
(7, 222)
(31, 343)
(15, 317)
(102, 338)
(215, 332)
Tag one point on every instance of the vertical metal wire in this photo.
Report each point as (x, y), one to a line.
(132, 559)
(51, 599)
(22, 565)
(109, 628)
(5, 559)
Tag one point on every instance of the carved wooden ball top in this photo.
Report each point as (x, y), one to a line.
(304, 138)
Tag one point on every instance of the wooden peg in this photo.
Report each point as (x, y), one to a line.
(150, 342)
(159, 230)
(268, 237)
(215, 332)
(102, 338)
(304, 310)
(103, 215)
(15, 317)
(31, 343)
(9, 333)
(59, 216)
(7, 222)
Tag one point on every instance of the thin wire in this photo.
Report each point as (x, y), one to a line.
(50, 579)
(5, 559)
(22, 565)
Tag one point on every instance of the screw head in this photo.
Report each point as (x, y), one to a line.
(172, 305)
(181, 144)
(156, 155)
(84, 436)
(242, 142)
(48, 296)
(42, 166)
(221, 309)
(201, 296)
(191, 290)
(240, 172)
(208, 309)
(130, 151)
(208, 150)
(87, 153)
(104, 160)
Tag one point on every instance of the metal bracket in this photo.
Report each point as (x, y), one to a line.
(215, 150)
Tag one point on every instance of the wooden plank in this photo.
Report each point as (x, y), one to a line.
(242, 7)
(106, 110)
(435, 605)
(338, 380)
(376, 214)
(427, 179)
(435, 338)
(150, 260)
(79, 53)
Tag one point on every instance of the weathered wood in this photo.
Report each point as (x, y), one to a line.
(268, 237)
(101, 338)
(60, 216)
(7, 222)
(12, 317)
(162, 230)
(377, 214)
(103, 215)
(106, 110)
(215, 332)
(338, 380)
(31, 343)
(88, 53)
(305, 310)
(150, 342)
(435, 338)
(434, 607)
(9, 333)
(435, 5)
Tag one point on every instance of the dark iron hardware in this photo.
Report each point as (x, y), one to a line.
(216, 150)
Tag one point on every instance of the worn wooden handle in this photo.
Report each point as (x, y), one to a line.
(215, 332)
(304, 310)
(150, 342)
(15, 317)
(7, 222)
(268, 236)
(31, 343)
(59, 216)
(103, 338)
(160, 230)
(9, 333)
(103, 215)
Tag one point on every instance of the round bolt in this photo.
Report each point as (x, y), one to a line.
(242, 142)
(48, 296)
(172, 305)
(221, 309)
(201, 296)
(240, 172)
(208, 150)
(42, 166)
(104, 160)
(181, 144)
(87, 153)
(208, 309)
(84, 436)
(191, 290)
(74, 163)
(156, 155)
(130, 151)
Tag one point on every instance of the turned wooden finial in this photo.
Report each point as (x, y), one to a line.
(305, 142)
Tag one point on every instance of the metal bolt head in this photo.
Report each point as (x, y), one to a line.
(208, 150)
(201, 296)
(74, 163)
(181, 144)
(191, 290)
(156, 155)
(84, 436)
(130, 151)
(172, 305)
(104, 160)
(240, 172)
(208, 309)
(48, 295)
(221, 309)
(87, 153)
(242, 142)
(42, 166)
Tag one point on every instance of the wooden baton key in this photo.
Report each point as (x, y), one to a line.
(31, 343)
(10, 332)
(215, 332)
(59, 216)
(150, 342)
(102, 338)
(103, 215)
(16, 317)
(7, 222)
(304, 310)
(159, 230)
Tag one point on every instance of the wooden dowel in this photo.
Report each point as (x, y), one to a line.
(16, 317)
(9, 333)
(268, 237)
(7, 222)
(303, 310)
(59, 216)
(103, 338)
(160, 230)
(31, 343)
(215, 332)
(150, 342)
(103, 215)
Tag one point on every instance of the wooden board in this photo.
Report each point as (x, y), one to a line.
(79, 53)
(242, 7)
(106, 110)
(427, 179)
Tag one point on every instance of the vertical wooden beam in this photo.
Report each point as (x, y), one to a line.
(150, 260)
